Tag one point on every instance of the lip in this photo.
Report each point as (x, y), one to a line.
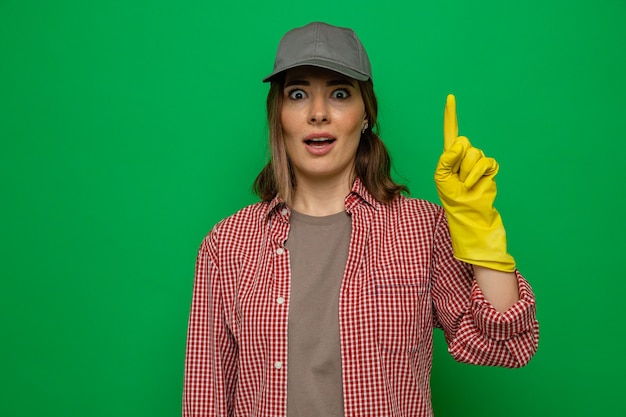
(321, 148)
(318, 135)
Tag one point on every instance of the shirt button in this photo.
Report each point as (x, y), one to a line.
(280, 300)
(278, 365)
(280, 251)
(283, 212)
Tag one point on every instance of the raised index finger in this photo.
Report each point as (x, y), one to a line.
(450, 124)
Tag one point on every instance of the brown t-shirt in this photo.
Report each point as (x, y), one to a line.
(318, 252)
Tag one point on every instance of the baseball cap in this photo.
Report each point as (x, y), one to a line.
(322, 45)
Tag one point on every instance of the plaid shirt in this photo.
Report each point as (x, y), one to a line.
(401, 280)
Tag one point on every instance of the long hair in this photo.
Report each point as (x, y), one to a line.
(372, 163)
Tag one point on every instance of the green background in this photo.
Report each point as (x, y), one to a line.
(128, 128)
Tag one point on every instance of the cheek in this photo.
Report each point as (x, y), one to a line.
(353, 121)
(287, 121)
(289, 131)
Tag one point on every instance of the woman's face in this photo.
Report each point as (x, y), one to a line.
(322, 117)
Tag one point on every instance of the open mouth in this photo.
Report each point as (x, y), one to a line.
(319, 141)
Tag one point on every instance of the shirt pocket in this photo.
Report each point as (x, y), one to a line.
(403, 313)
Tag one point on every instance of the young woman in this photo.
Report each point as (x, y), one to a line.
(321, 299)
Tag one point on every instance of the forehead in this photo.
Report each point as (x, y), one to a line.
(309, 72)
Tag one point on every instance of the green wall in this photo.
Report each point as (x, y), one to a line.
(128, 128)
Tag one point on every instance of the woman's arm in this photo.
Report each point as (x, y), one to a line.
(211, 356)
(495, 327)
(499, 288)
(483, 304)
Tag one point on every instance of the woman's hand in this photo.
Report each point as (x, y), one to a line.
(467, 189)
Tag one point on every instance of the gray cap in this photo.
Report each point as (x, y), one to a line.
(323, 45)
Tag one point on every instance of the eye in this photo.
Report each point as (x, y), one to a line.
(341, 94)
(296, 94)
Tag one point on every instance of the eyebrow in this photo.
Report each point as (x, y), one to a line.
(339, 81)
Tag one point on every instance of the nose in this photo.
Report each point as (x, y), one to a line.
(318, 111)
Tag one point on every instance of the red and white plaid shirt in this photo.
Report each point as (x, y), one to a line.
(401, 281)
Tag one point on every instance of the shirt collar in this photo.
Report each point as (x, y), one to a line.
(358, 195)
(274, 204)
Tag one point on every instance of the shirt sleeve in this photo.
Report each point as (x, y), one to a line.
(475, 331)
(211, 355)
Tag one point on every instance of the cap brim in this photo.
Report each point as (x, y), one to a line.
(321, 64)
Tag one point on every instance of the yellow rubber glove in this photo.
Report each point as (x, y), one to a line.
(467, 189)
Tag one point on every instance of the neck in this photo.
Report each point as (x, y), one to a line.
(320, 197)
